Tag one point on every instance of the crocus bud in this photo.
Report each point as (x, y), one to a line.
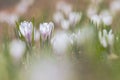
(26, 29)
(46, 30)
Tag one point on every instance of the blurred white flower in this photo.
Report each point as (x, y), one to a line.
(8, 18)
(96, 19)
(106, 17)
(17, 49)
(65, 24)
(115, 6)
(60, 43)
(74, 17)
(26, 29)
(65, 17)
(106, 38)
(58, 17)
(92, 10)
(11, 17)
(64, 7)
(46, 30)
(23, 6)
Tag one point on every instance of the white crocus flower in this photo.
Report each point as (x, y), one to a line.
(26, 29)
(92, 10)
(64, 7)
(58, 17)
(96, 19)
(106, 38)
(17, 49)
(106, 17)
(46, 30)
(74, 17)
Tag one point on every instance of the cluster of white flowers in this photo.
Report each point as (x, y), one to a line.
(65, 17)
(104, 16)
(26, 29)
(62, 40)
(106, 38)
